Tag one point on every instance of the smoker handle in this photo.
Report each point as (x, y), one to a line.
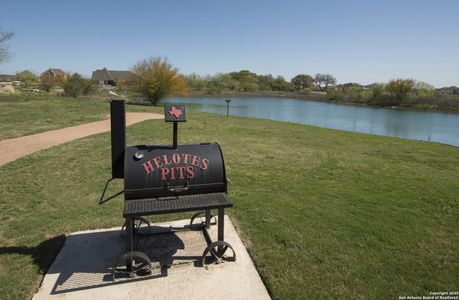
(178, 189)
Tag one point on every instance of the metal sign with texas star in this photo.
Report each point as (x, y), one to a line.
(174, 113)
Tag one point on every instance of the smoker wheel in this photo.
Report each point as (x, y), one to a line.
(132, 264)
(201, 215)
(217, 257)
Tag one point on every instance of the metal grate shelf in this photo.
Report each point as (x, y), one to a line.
(153, 206)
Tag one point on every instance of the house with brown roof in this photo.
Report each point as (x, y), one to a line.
(53, 76)
(112, 77)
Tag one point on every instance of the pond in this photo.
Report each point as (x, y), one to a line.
(425, 126)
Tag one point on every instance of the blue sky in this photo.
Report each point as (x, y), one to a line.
(356, 41)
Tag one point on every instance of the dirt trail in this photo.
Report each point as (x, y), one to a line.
(15, 148)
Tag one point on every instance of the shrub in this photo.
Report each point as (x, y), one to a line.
(46, 86)
(304, 91)
(352, 94)
(76, 85)
(335, 94)
(89, 88)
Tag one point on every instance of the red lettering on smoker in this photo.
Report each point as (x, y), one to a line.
(164, 172)
(157, 162)
(204, 164)
(166, 160)
(177, 166)
(194, 161)
(189, 172)
(148, 167)
(181, 172)
(176, 158)
(185, 158)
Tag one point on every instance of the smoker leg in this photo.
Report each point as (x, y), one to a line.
(208, 216)
(129, 244)
(130, 234)
(206, 223)
(221, 228)
(138, 221)
(132, 262)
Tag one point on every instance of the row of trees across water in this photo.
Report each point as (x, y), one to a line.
(246, 81)
(396, 92)
(155, 78)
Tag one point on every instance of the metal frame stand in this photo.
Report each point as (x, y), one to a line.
(135, 262)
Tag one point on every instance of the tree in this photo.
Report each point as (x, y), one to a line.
(423, 89)
(76, 85)
(195, 81)
(27, 78)
(376, 90)
(400, 88)
(302, 81)
(156, 79)
(4, 51)
(227, 82)
(247, 80)
(280, 84)
(423, 86)
(322, 81)
(265, 82)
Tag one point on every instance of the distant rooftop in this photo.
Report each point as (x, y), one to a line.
(112, 75)
(55, 72)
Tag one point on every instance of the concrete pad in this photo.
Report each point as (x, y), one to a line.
(83, 268)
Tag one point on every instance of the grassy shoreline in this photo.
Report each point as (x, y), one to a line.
(324, 213)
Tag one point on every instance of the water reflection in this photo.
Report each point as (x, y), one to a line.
(426, 126)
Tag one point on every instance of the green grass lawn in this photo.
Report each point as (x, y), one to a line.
(23, 114)
(323, 213)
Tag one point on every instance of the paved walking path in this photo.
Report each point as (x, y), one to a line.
(15, 148)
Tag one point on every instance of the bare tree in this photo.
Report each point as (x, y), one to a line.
(322, 81)
(4, 51)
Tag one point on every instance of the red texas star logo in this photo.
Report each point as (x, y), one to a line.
(176, 112)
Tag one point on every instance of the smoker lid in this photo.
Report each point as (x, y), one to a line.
(159, 171)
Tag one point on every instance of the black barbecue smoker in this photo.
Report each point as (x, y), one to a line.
(162, 179)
